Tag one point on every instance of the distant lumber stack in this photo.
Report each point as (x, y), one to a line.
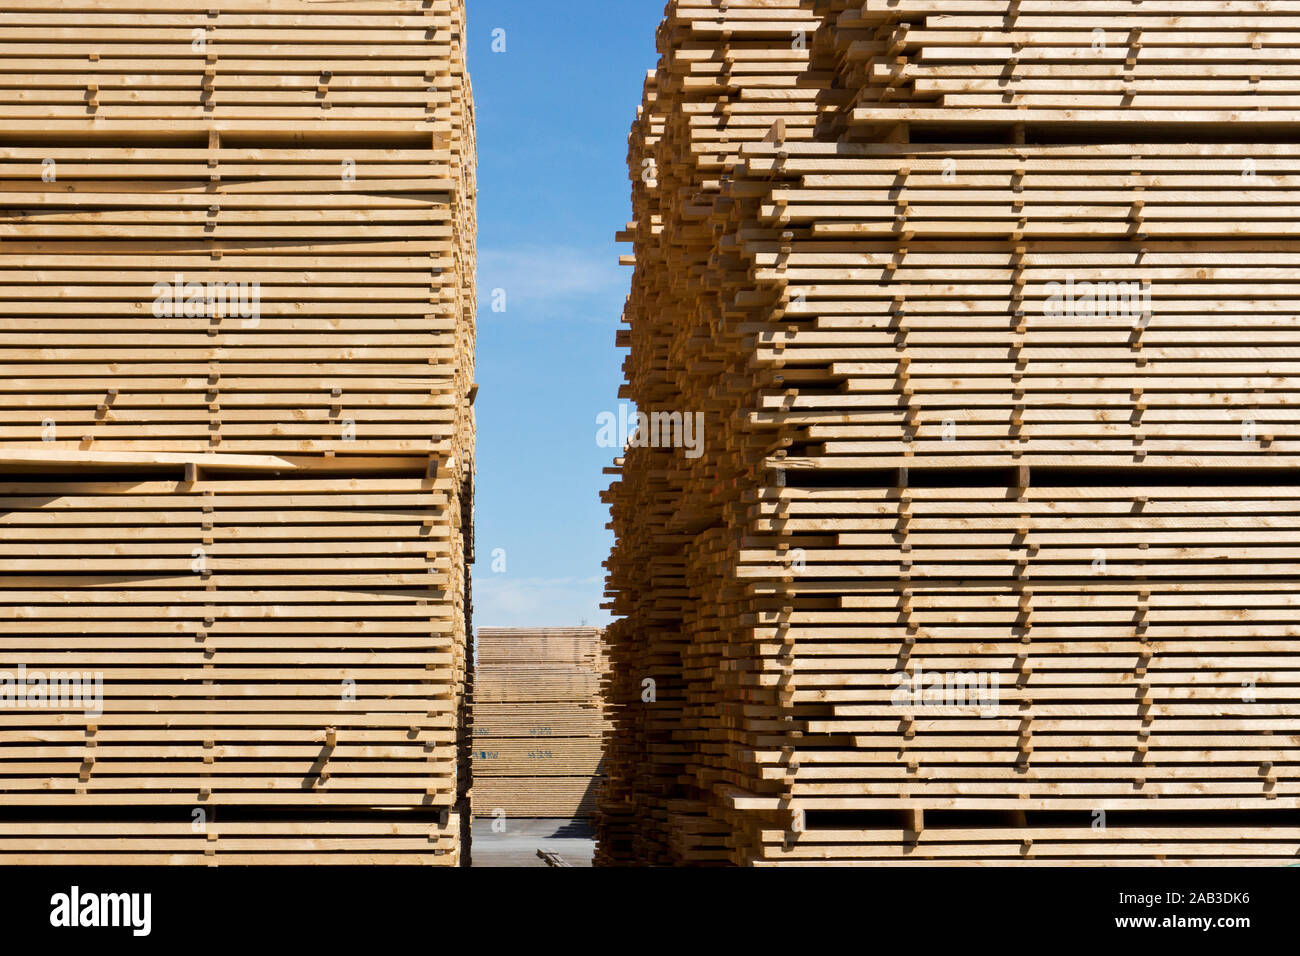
(236, 434)
(990, 313)
(539, 722)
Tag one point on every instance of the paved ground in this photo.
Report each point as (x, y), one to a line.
(574, 840)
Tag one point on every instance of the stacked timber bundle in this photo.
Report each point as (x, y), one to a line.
(985, 551)
(236, 430)
(539, 722)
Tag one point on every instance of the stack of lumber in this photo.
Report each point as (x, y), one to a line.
(997, 399)
(236, 429)
(291, 842)
(539, 721)
(1139, 62)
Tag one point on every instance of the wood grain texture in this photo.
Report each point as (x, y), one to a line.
(539, 722)
(989, 312)
(237, 308)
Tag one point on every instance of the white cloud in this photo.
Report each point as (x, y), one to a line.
(503, 601)
(547, 279)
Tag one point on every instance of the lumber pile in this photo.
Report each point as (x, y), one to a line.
(236, 430)
(989, 309)
(539, 721)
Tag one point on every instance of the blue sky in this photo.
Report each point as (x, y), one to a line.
(553, 116)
